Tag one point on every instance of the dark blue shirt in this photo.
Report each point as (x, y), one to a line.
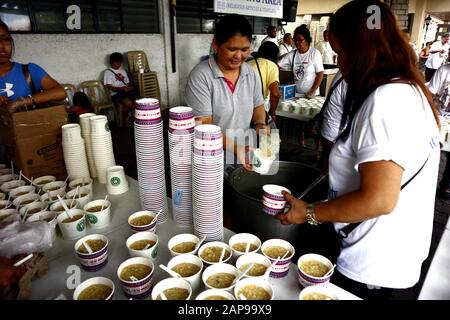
(14, 85)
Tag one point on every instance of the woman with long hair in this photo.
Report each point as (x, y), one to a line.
(383, 167)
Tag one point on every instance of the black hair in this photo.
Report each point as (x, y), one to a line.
(287, 35)
(82, 100)
(270, 29)
(304, 31)
(115, 57)
(5, 26)
(268, 50)
(230, 25)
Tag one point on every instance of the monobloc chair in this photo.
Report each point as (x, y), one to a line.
(70, 91)
(137, 60)
(100, 98)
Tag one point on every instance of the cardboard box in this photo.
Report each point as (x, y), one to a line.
(33, 140)
(287, 91)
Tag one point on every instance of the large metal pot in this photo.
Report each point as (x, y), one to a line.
(243, 203)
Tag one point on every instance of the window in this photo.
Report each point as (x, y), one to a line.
(101, 16)
(198, 16)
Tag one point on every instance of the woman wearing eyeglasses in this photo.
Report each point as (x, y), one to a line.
(16, 93)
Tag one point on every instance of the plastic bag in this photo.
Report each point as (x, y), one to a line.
(24, 238)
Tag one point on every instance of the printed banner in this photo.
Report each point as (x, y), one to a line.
(259, 8)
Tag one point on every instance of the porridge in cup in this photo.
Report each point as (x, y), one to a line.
(220, 276)
(97, 217)
(254, 289)
(260, 268)
(215, 294)
(312, 270)
(173, 289)
(142, 221)
(99, 256)
(189, 267)
(98, 288)
(136, 276)
(183, 243)
(317, 293)
(143, 244)
(277, 248)
(211, 252)
(242, 242)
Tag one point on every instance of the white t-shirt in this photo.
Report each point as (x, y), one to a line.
(267, 38)
(283, 49)
(115, 79)
(332, 114)
(440, 86)
(304, 68)
(436, 59)
(326, 51)
(395, 123)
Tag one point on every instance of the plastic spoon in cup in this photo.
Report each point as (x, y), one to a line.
(243, 273)
(28, 257)
(103, 204)
(74, 196)
(222, 255)
(330, 271)
(88, 247)
(171, 272)
(65, 207)
(199, 243)
(247, 247)
(156, 216)
(12, 168)
(67, 179)
(20, 175)
(269, 269)
(242, 297)
(162, 295)
(25, 214)
(133, 278)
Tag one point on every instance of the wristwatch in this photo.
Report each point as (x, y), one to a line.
(310, 215)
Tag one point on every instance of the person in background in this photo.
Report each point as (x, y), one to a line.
(264, 63)
(285, 46)
(16, 93)
(437, 56)
(271, 35)
(226, 91)
(440, 87)
(423, 56)
(117, 81)
(324, 47)
(382, 171)
(306, 66)
(81, 104)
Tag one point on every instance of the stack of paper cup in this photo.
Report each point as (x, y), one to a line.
(74, 151)
(148, 132)
(207, 182)
(86, 134)
(116, 180)
(102, 146)
(181, 138)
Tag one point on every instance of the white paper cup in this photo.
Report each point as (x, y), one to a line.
(33, 208)
(57, 207)
(93, 281)
(8, 177)
(220, 268)
(2, 196)
(72, 230)
(262, 164)
(116, 180)
(71, 133)
(317, 293)
(255, 258)
(85, 122)
(96, 260)
(170, 283)
(281, 269)
(58, 186)
(258, 282)
(207, 294)
(41, 216)
(25, 199)
(205, 246)
(137, 289)
(41, 181)
(243, 238)
(150, 253)
(81, 182)
(5, 204)
(99, 125)
(49, 201)
(285, 105)
(195, 279)
(273, 200)
(305, 279)
(182, 238)
(7, 212)
(11, 185)
(82, 201)
(100, 219)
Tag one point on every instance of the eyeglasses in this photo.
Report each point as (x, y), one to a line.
(299, 40)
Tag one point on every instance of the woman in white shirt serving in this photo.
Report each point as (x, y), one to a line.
(383, 167)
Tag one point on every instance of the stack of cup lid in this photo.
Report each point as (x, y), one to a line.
(86, 134)
(74, 151)
(102, 146)
(207, 182)
(181, 138)
(148, 132)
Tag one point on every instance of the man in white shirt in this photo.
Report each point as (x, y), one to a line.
(438, 55)
(440, 87)
(271, 35)
(324, 47)
(285, 46)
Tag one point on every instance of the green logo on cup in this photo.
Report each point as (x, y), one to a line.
(257, 162)
(115, 181)
(92, 219)
(154, 253)
(81, 225)
(107, 127)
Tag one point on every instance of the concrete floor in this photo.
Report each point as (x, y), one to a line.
(124, 151)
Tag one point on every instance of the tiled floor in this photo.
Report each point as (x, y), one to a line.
(124, 150)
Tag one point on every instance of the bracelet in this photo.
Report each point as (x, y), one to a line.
(32, 101)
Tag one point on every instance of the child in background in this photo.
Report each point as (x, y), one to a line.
(81, 104)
